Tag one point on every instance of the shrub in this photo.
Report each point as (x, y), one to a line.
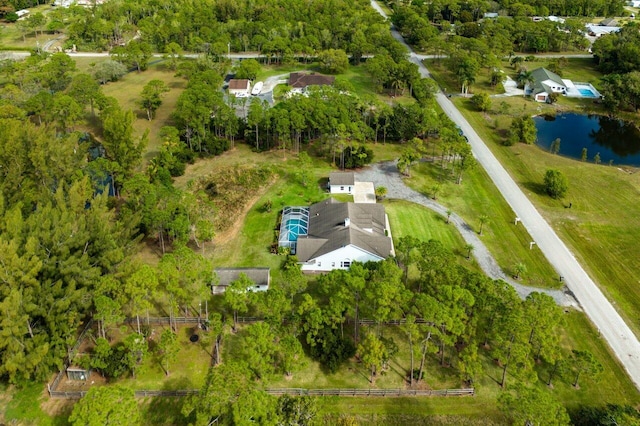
(555, 183)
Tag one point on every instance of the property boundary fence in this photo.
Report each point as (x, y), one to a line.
(54, 393)
(294, 391)
(72, 352)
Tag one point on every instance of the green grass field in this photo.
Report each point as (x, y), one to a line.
(188, 371)
(409, 219)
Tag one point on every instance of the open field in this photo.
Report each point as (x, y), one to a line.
(127, 91)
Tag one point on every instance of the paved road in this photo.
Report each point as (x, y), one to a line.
(539, 56)
(599, 310)
(386, 174)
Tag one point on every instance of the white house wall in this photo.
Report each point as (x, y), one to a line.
(557, 88)
(342, 189)
(336, 259)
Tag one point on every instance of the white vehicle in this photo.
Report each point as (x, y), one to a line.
(257, 88)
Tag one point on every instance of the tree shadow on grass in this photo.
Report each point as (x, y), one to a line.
(163, 410)
(535, 187)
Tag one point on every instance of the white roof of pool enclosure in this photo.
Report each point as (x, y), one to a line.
(295, 222)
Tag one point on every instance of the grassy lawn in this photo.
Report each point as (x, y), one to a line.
(30, 405)
(415, 220)
(188, 371)
(467, 411)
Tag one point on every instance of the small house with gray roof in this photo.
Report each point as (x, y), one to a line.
(338, 234)
(260, 277)
(342, 182)
(544, 82)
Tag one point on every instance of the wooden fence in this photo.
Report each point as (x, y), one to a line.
(294, 391)
(72, 352)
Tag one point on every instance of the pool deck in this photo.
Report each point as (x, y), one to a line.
(573, 89)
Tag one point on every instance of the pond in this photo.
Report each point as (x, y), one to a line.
(612, 138)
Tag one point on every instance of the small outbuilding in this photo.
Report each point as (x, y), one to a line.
(78, 373)
(342, 182)
(239, 87)
(261, 277)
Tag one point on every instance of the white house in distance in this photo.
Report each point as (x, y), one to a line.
(342, 182)
(331, 235)
(600, 30)
(546, 82)
(260, 276)
(239, 88)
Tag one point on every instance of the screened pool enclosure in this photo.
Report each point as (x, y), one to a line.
(295, 222)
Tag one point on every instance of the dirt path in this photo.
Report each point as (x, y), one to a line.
(386, 174)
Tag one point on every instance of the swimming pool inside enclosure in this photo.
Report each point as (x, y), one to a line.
(294, 223)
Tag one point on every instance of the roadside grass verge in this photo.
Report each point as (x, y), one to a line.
(475, 197)
(602, 227)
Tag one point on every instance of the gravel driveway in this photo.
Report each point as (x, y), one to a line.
(386, 174)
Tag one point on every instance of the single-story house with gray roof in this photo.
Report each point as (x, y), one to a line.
(544, 83)
(341, 233)
(261, 277)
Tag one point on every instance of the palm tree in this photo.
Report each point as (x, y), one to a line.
(525, 78)
(434, 189)
(469, 248)
(381, 192)
(519, 268)
(484, 219)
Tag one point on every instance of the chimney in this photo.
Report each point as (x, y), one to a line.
(347, 222)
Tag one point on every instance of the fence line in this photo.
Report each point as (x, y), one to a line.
(56, 381)
(293, 391)
(164, 320)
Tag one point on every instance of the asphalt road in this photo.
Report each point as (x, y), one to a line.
(597, 307)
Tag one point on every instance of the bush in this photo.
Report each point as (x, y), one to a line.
(555, 183)
(482, 101)
(355, 157)
(331, 349)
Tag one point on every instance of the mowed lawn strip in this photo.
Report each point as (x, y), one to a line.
(410, 219)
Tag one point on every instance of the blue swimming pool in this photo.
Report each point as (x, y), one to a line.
(587, 93)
